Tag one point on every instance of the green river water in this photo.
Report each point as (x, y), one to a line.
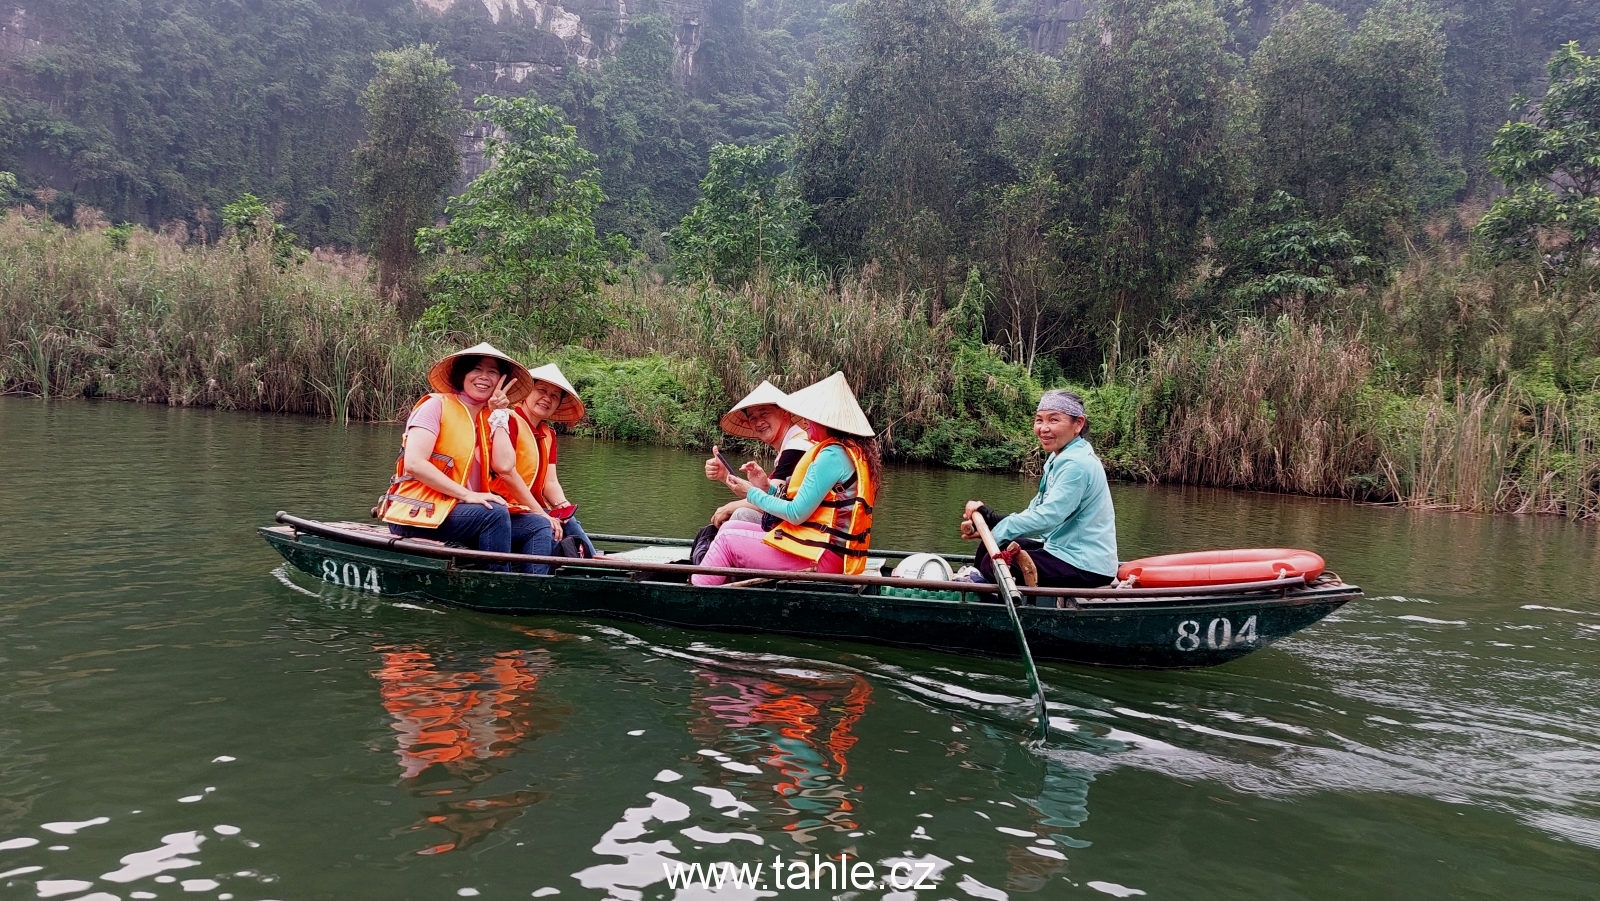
(181, 717)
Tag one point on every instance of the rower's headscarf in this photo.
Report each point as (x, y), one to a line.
(1066, 402)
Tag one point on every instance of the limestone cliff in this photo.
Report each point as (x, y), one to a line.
(1052, 22)
(15, 42)
(544, 38)
(533, 42)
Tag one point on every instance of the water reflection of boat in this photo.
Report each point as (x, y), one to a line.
(799, 727)
(1152, 628)
(452, 721)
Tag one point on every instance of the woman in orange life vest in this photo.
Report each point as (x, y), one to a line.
(524, 448)
(825, 512)
(439, 488)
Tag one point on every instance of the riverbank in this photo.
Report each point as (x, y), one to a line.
(1287, 404)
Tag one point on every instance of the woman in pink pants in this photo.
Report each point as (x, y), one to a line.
(825, 513)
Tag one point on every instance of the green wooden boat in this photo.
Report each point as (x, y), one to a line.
(1143, 628)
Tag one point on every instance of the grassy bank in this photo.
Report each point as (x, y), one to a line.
(1288, 404)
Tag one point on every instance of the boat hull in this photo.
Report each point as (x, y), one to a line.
(1176, 633)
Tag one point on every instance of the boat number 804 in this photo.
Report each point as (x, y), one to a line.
(1217, 636)
(351, 576)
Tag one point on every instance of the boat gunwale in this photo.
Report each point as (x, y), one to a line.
(1098, 598)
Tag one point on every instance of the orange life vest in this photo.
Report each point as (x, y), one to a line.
(842, 523)
(411, 503)
(534, 445)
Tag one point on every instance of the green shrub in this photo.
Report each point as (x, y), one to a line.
(651, 398)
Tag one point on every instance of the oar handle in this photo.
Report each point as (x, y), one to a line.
(984, 535)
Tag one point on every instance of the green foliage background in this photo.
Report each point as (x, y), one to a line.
(162, 110)
(156, 111)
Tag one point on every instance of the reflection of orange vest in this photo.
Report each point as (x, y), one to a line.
(534, 445)
(842, 523)
(411, 503)
(450, 717)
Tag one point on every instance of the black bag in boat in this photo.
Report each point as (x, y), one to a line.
(570, 546)
(702, 544)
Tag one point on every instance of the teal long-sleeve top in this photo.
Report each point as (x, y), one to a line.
(831, 466)
(1072, 512)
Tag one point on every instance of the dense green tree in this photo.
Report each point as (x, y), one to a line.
(748, 220)
(408, 161)
(651, 115)
(1030, 313)
(1344, 117)
(1548, 25)
(1481, 67)
(1142, 161)
(1550, 162)
(1278, 259)
(801, 26)
(900, 140)
(156, 110)
(746, 73)
(521, 244)
(649, 138)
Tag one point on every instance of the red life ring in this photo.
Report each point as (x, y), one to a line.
(1222, 567)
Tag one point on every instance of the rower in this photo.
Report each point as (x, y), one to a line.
(438, 490)
(1067, 537)
(824, 514)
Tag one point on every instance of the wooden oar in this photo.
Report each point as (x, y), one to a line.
(1008, 593)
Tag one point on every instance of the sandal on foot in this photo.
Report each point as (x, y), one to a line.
(1024, 564)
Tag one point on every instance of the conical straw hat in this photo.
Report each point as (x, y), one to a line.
(571, 408)
(734, 421)
(830, 402)
(521, 383)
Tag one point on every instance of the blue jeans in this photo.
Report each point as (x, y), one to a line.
(571, 526)
(531, 534)
(490, 529)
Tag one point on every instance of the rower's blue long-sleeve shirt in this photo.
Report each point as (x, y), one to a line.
(831, 466)
(1072, 512)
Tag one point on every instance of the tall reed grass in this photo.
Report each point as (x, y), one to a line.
(145, 318)
(1270, 405)
(1289, 405)
(1297, 407)
(1501, 449)
(930, 397)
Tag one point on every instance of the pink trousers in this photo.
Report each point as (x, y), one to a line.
(739, 545)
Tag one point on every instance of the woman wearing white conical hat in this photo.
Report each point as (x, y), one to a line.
(759, 416)
(439, 489)
(824, 514)
(525, 450)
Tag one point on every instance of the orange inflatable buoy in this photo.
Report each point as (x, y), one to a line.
(1256, 564)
